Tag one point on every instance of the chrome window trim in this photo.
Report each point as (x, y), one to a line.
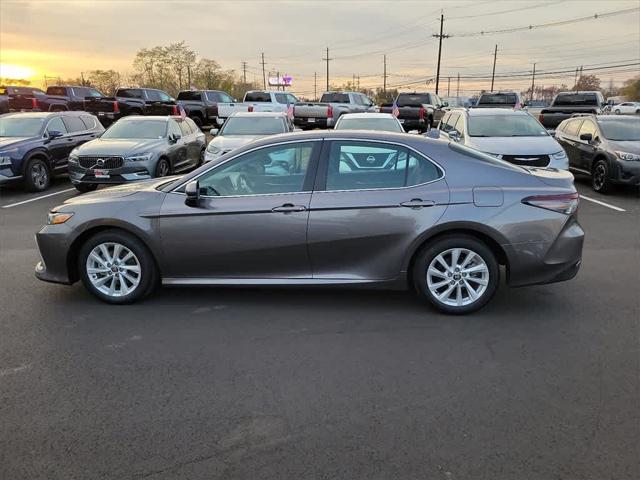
(444, 174)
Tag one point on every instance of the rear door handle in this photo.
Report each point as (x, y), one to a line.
(289, 207)
(418, 203)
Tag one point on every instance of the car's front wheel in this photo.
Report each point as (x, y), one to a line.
(457, 274)
(37, 175)
(163, 168)
(117, 267)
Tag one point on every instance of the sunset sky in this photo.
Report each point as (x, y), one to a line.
(57, 38)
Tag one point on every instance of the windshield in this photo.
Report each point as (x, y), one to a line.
(253, 126)
(498, 99)
(20, 126)
(621, 130)
(485, 157)
(505, 126)
(137, 129)
(576, 99)
(383, 124)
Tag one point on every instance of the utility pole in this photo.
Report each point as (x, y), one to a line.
(353, 81)
(493, 74)
(384, 75)
(458, 91)
(244, 72)
(575, 80)
(327, 59)
(189, 77)
(278, 80)
(264, 77)
(315, 86)
(358, 82)
(533, 81)
(441, 36)
(448, 86)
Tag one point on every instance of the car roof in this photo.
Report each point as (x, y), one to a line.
(140, 118)
(485, 112)
(46, 114)
(258, 114)
(367, 115)
(616, 118)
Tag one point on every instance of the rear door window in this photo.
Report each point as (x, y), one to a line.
(74, 124)
(56, 125)
(354, 165)
(572, 127)
(89, 121)
(184, 127)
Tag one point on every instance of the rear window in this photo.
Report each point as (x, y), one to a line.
(257, 97)
(89, 121)
(335, 98)
(129, 93)
(190, 96)
(412, 100)
(498, 99)
(57, 91)
(576, 99)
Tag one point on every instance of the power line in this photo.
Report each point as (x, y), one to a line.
(492, 14)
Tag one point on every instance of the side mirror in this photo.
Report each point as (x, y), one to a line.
(454, 135)
(214, 132)
(433, 133)
(192, 191)
(587, 137)
(174, 137)
(55, 134)
(445, 104)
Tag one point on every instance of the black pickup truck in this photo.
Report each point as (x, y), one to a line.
(202, 105)
(20, 99)
(60, 98)
(567, 104)
(417, 111)
(132, 101)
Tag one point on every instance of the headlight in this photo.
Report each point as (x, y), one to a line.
(139, 157)
(628, 156)
(211, 148)
(56, 218)
(561, 155)
(73, 156)
(5, 157)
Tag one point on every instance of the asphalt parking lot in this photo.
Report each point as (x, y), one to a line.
(544, 383)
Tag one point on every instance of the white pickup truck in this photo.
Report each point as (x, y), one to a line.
(258, 101)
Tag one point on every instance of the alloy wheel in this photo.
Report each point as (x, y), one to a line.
(163, 169)
(113, 269)
(39, 175)
(457, 277)
(599, 176)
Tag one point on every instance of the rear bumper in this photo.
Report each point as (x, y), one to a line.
(306, 124)
(541, 263)
(412, 124)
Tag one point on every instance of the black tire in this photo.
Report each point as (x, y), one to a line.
(197, 119)
(617, 111)
(429, 124)
(201, 159)
(443, 245)
(37, 175)
(149, 276)
(86, 187)
(163, 168)
(600, 177)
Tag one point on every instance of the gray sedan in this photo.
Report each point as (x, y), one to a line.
(325, 208)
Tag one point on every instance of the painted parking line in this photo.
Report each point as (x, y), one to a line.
(608, 205)
(38, 198)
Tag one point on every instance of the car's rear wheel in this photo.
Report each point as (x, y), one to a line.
(457, 274)
(600, 180)
(197, 119)
(116, 267)
(37, 176)
(86, 187)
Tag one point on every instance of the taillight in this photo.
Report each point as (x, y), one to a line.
(34, 103)
(329, 111)
(116, 107)
(250, 108)
(566, 203)
(421, 113)
(175, 110)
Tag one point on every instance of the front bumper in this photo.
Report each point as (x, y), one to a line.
(5, 178)
(53, 243)
(131, 172)
(628, 173)
(538, 263)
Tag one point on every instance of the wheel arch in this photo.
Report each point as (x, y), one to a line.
(37, 153)
(76, 245)
(490, 237)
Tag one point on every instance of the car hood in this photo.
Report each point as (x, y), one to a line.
(232, 142)
(543, 145)
(630, 146)
(9, 142)
(108, 146)
(120, 191)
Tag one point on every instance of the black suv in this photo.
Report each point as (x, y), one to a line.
(36, 145)
(606, 147)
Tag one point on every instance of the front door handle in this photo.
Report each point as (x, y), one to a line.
(289, 207)
(418, 203)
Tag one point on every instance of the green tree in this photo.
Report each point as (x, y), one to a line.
(631, 89)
